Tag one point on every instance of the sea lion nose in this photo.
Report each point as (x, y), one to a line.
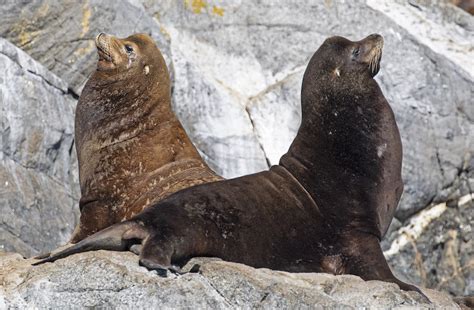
(375, 37)
(98, 38)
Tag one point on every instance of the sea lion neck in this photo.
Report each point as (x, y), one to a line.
(125, 106)
(344, 109)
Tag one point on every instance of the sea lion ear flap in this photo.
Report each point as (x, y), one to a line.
(146, 70)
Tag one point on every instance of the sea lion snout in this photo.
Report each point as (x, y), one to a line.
(103, 43)
(373, 46)
(97, 38)
(375, 42)
(375, 37)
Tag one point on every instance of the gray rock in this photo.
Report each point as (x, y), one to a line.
(60, 34)
(113, 279)
(238, 65)
(38, 173)
(435, 248)
(255, 53)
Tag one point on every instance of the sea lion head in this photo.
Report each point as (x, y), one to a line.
(131, 57)
(129, 90)
(340, 69)
(341, 57)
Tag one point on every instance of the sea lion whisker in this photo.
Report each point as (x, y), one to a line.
(375, 56)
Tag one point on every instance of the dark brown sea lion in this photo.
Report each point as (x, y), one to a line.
(323, 209)
(132, 150)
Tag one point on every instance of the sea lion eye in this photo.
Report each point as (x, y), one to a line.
(356, 52)
(128, 48)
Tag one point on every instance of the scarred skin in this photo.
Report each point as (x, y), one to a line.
(132, 150)
(324, 208)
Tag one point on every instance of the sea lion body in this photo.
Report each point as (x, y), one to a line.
(323, 209)
(132, 150)
(348, 150)
(224, 221)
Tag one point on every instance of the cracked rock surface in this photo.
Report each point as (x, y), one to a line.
(38, 168)
(237, 68)
(435, 248)
(61, 34)
(113, 279)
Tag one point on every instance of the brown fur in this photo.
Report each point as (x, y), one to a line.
(132, 150)
(323, 209)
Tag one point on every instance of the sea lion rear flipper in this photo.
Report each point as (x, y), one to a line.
(118, 237)
(366, 260)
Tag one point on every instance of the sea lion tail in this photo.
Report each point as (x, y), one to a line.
(118, 237)
(366, 260)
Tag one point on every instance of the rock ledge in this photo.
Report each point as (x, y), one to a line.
(114, 279)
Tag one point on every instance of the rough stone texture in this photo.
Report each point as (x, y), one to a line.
(113, 279)
(238, 67)
(38, 173)
(435, 248)
(239, 64)
(259, 51)
(60, 34)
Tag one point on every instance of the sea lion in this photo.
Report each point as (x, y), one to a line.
(132, 150)
(324, 208)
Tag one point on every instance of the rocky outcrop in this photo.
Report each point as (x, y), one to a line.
(259, 52)
(60, 34)
(237, 67)
(435, 248)
(113, 279)
(38, 173)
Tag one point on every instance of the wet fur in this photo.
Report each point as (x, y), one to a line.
(132, 150)
(323, 209)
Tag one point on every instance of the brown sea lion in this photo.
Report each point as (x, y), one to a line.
(132, 150)
(323, 209)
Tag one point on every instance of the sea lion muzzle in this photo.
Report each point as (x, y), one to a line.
(102, 42)
(375, 43)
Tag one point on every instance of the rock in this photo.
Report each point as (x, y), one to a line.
(247, 58)
(61, 34)
(238, 67)
(38, 173)
(435, 248)
(114, 279)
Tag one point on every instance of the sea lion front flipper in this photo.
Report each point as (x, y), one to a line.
(57, 250)
(364, 258)
(118, 237)
(160, 251)
(136, 248)
(156, 254)
(42, 256)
